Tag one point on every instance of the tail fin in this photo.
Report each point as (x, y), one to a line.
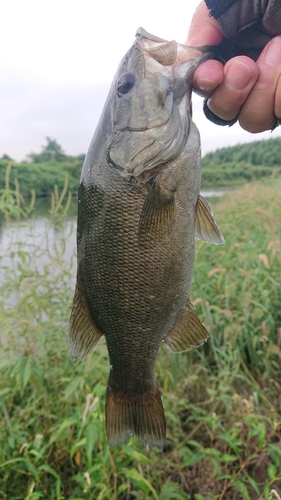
(141, 415)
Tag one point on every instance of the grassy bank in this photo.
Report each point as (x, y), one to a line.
(236, 165)
(222, 401)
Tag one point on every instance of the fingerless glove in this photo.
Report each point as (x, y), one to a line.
(248, 25)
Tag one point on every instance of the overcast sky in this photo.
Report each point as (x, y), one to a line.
(58, 58)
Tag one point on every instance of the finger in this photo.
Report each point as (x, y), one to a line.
(207, 77)
(240, 75)
(264, 102)
(204, 29)
(277, 104)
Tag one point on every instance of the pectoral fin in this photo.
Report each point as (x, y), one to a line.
(205, 225)
(188, 333)
(158, 209)
(82, 333)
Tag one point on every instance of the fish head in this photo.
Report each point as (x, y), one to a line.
(150, 106)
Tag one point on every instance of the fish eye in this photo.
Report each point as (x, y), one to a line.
(125, 83)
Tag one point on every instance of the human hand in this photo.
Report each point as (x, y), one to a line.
(243, 88)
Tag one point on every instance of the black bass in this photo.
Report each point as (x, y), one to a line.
(139, 212)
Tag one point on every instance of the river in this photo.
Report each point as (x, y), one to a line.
(39, 240)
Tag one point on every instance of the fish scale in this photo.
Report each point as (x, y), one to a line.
(139, 211)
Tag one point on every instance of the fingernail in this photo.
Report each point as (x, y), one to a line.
(238, 76)
(272, 55)
(206, 84)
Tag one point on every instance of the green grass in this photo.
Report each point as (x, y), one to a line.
(222, 401)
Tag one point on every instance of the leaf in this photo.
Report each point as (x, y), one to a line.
(253, 483)
(261, 434)
(271, 472)
(242, 488)
(66, 423)
(26, 372)
(76, 447)
(225, 457)
(172, 491)
(212, 452)
(194, 457)
(30, 467)
(123, 487)
(50, 470)
(6, 414)
(141, 482)
(192, 442)
(266, 489)
(14, 461)
(274, 447)
(235, 444)
(34, 496)
(136, 455)
(91, 437)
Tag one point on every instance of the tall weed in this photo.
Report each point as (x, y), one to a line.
(222, 401)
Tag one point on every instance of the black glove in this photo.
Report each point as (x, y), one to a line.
(248, 25)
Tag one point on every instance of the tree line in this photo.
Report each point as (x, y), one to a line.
(242, 163)
(233, 165)
(42, 171)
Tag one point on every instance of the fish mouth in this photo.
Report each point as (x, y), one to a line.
(171, 55)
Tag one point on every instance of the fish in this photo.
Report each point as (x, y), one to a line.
(139, 212)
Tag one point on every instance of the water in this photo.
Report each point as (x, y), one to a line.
(37, 241)
(214, 192)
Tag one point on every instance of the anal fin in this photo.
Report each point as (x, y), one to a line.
(82, 333)
(205, 225)
(188, 333)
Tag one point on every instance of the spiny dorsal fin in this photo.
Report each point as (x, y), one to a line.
(206, 228)
(188, 333)
(82, 333)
